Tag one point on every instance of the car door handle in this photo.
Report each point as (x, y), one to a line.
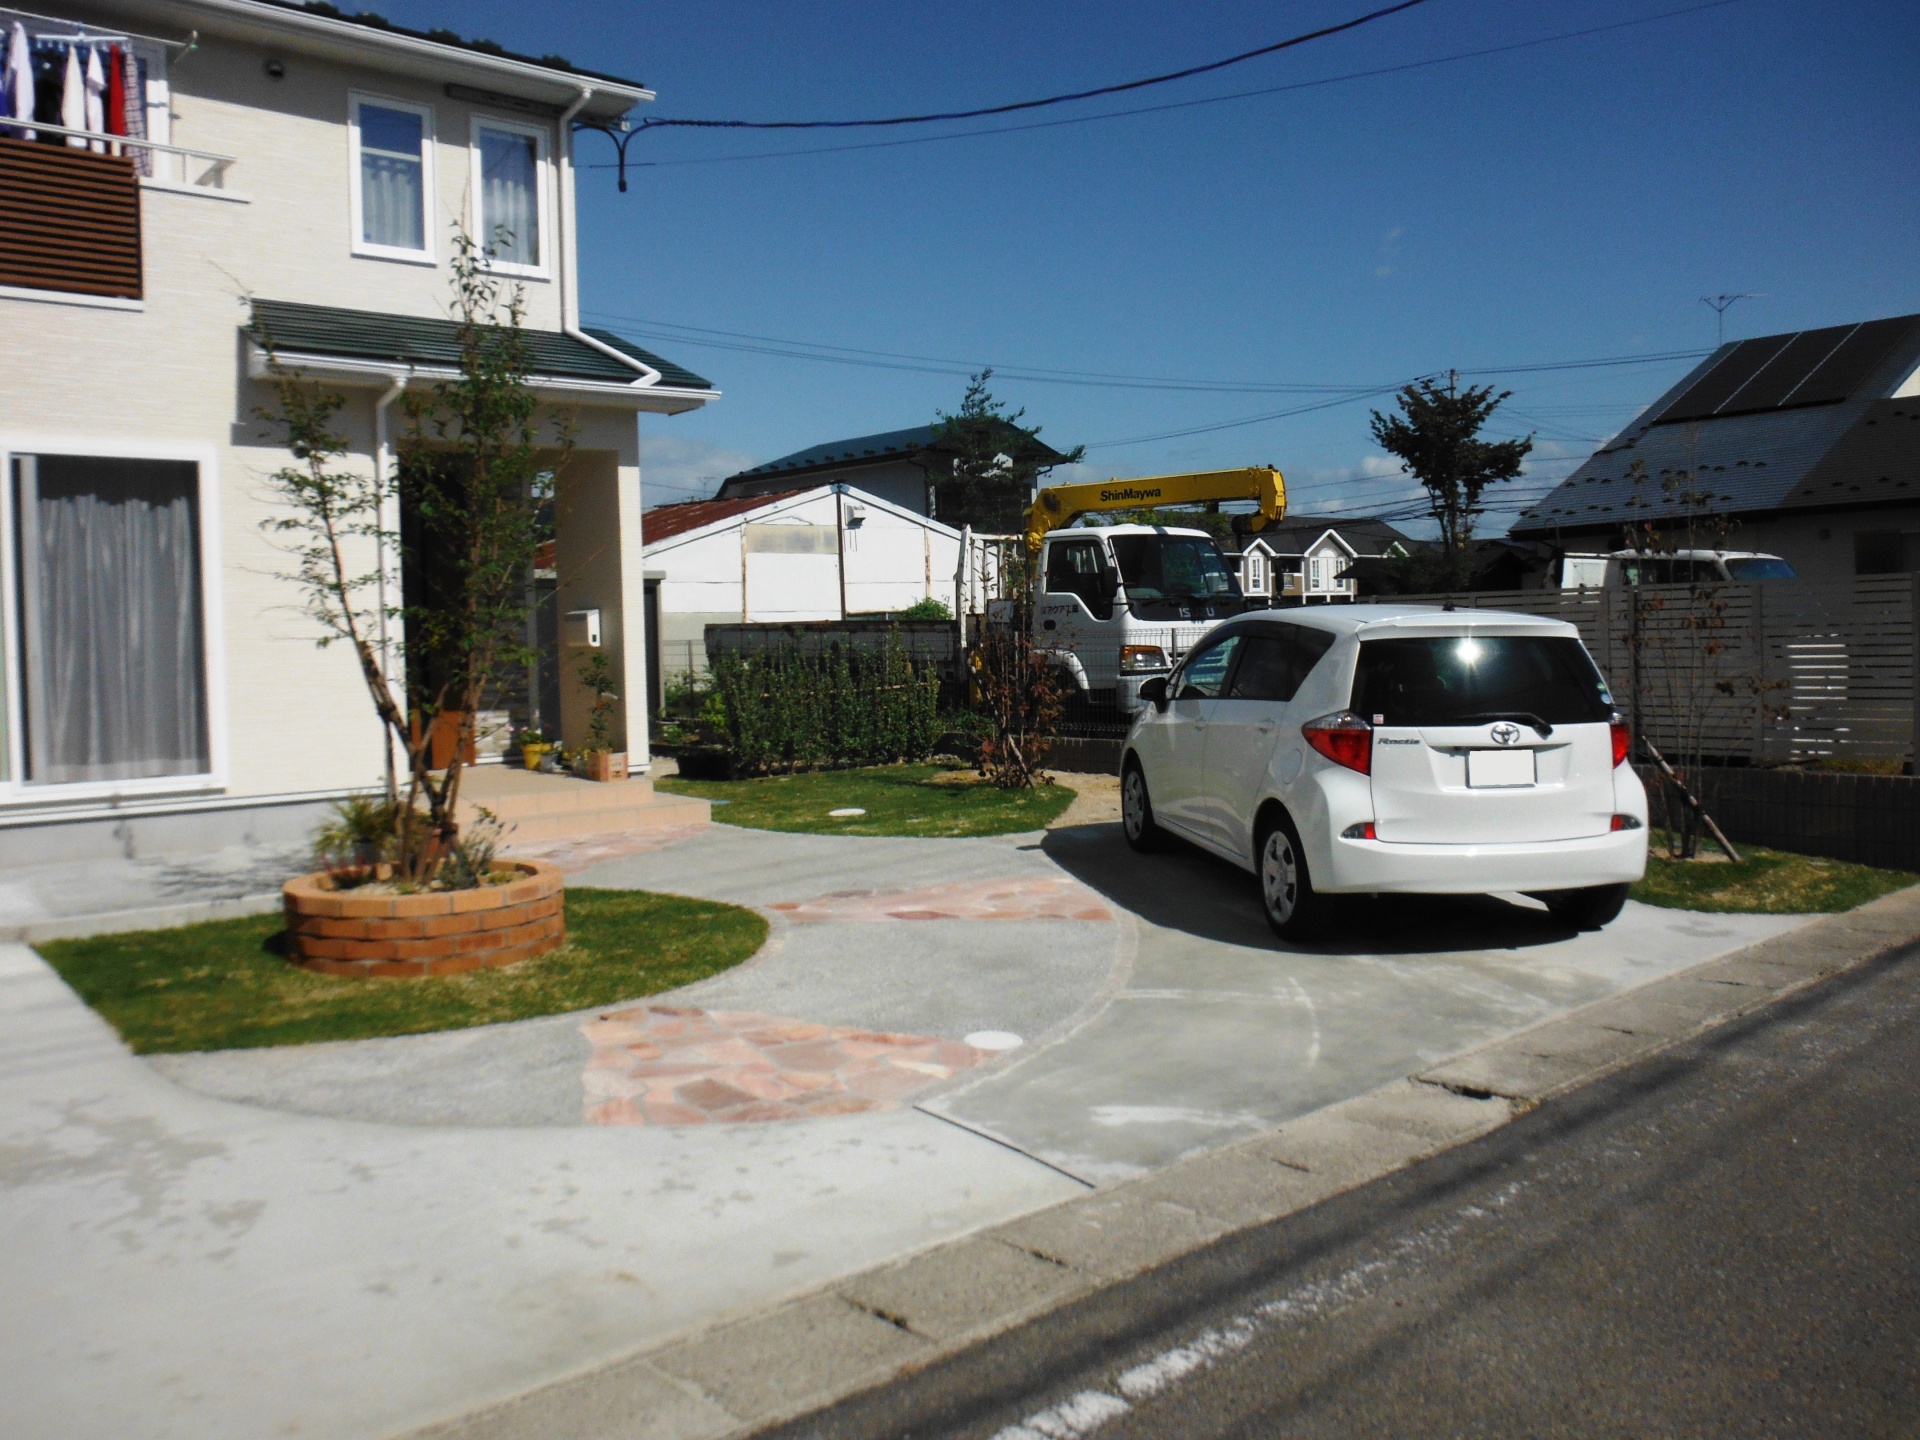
(1265, 727)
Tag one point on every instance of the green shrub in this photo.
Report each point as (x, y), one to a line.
(782, 711)
(931, 608)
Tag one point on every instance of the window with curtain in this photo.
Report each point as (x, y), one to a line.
(112, 663)
(393, 176)
(510, 194)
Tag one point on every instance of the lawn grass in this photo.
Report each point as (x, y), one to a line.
(1765, 882)
(898, 800)
(223, 985)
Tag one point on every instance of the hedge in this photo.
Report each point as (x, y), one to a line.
(783, 711)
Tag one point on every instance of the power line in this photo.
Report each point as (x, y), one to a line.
(975, 114)
(1170, 105)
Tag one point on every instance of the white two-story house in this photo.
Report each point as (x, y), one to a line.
(229, 163)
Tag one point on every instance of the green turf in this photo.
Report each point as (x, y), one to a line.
(1765, 882)
(898, 800)
(224, 986)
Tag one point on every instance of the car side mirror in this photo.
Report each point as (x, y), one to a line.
(1109, 584)
(1154, 692)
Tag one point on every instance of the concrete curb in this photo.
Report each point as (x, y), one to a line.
(742, 1376)
(151, 917)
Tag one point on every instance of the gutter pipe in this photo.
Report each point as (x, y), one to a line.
(389, 524)
(569, 261)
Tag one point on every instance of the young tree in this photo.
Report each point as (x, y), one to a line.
(1436, 437)
(996, 462)
(469, 472)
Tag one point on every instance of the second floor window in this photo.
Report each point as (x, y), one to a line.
(509, 164)
(393, 143)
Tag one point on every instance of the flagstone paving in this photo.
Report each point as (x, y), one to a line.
(675, 1065)
(1020, 897)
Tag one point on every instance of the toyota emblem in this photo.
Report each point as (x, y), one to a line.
(1506, 733)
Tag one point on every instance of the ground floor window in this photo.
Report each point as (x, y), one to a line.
(112, 662)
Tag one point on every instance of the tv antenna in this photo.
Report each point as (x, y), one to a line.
(1720, 304)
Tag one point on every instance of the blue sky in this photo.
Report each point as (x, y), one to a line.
(1567, 201)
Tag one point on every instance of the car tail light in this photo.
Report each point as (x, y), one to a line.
(1622, 740)
(1346, 739)
(1363, 831)
(1137, 658)
(1626, 822)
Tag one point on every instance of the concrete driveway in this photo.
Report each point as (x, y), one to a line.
(205, 1245)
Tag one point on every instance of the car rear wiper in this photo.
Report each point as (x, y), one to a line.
(1525, 717)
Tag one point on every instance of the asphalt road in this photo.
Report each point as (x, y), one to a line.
(1721, 1241)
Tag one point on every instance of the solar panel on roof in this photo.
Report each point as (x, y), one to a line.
(1842, 371)
(1707, 394)
(1774, 381)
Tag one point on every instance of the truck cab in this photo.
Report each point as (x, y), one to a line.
(1120, 604)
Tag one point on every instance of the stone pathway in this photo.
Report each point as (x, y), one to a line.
(674, 1065)
(572, 856)
(1001, 898)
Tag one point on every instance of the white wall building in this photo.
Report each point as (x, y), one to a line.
(296, 168)
(817, 554)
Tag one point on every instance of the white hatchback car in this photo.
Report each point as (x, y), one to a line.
(1392, 748)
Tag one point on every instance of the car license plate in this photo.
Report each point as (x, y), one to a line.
(1499, 769)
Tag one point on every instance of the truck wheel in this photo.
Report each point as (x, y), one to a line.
(1136, 809)
(1294, 909)
(1586, 909)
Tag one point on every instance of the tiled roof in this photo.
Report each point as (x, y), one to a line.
(663, 522)
(863, 449)
(423, 340)
(1858, 450)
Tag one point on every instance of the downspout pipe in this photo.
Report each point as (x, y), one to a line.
(569, 257)
(389, 522)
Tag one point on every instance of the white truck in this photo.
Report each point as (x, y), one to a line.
(1115, 606)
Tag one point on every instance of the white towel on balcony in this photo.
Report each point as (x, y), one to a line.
(96, 97)
(73, 98)
(19, 79)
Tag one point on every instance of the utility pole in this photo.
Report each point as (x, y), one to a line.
(1720, 304)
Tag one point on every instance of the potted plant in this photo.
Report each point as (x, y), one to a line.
(601, 761)
(534, 746)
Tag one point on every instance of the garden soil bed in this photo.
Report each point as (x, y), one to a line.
(366, 934)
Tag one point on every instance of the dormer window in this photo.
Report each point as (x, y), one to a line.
(393, 176)
(509, 179)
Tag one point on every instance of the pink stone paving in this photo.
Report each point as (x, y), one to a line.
(578, 854)
(671, 1065)
(1023, 898)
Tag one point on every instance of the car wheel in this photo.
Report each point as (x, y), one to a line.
(1294, 909)
(1136, 810)
(1587, 909)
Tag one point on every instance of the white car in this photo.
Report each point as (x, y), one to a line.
(1368, 749)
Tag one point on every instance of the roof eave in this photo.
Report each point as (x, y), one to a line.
(342, 39)
(363, 371)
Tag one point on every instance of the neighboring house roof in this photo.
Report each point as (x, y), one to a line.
(888, 445)
(1796, 421)
(296, 330)
(1296, 534)
(663, 522)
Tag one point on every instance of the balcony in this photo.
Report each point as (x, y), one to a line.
(70, 223)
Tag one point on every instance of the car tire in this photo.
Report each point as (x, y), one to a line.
(1136, 810)
(1587, 909)
(1294, 909)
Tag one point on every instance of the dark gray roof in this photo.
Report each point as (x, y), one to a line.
(424, 340)
(1856, 450)
(1292, 535)
(887, 446)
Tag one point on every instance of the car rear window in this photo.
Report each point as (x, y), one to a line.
(1468, 679)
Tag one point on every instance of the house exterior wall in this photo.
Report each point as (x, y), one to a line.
(742, 570)
(166, 378)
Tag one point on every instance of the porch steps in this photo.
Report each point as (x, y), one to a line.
(538, 807)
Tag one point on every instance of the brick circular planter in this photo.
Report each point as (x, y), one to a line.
(345, 932)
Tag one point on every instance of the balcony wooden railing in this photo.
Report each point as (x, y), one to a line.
(69, 220)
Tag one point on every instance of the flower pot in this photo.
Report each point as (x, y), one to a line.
(341, 931)
(604, 765)
(531, 755)
(443, 738)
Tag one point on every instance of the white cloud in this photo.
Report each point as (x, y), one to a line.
(673, 467)
(1389, 251)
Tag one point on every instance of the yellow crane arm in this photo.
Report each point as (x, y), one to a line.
(1061, 504)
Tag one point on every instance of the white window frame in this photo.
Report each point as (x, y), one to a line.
(362, 247)
(542, 184)
(16, 791)
(1256, 572)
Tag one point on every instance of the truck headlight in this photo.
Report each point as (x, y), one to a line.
(1138, 659)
